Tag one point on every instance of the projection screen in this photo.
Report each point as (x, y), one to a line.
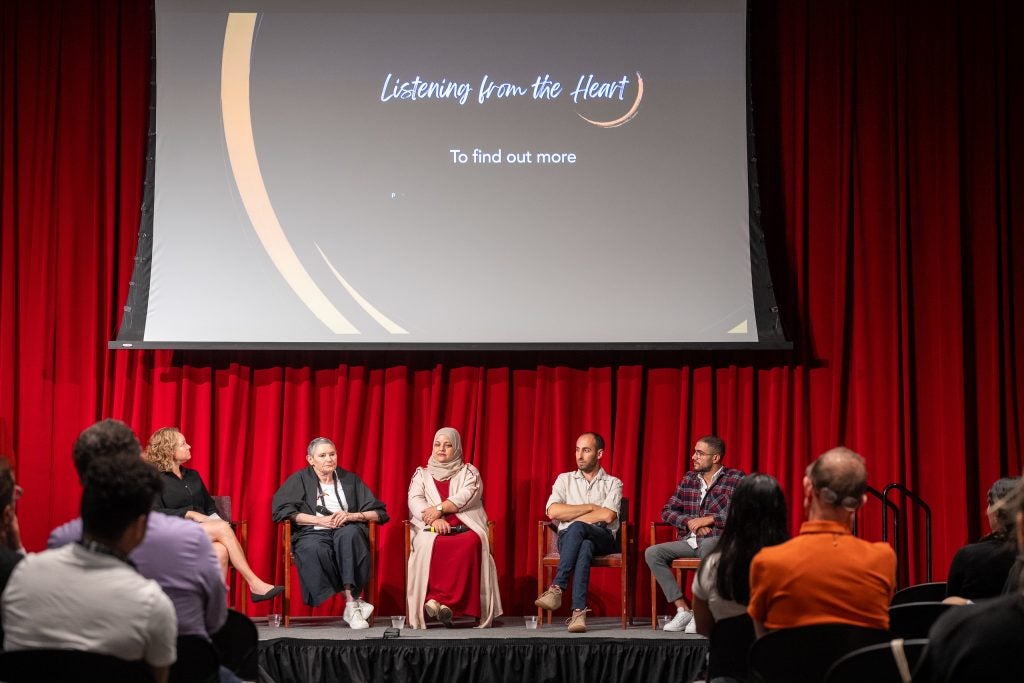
(448, 174)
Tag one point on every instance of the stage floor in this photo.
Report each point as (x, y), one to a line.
(326, 649)
(334, 628)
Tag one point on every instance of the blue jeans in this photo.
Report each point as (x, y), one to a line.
(577, 545)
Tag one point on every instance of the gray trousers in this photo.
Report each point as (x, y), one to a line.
(659, 558)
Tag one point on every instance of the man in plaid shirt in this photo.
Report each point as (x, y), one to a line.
(697, 510)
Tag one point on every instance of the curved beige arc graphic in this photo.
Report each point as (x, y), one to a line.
(381, 319)
(234, 97)
(628, 116)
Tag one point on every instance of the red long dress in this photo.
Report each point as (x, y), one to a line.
(455, 567)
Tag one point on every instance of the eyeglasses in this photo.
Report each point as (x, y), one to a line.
(702, 454)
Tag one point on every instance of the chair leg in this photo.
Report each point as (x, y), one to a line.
(654, 603)
(371, 588)
(540, 588)
(624, 574)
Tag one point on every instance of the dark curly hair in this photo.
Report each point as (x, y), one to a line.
(105, 438)
(118, 490)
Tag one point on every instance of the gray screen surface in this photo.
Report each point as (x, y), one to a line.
(332, 172)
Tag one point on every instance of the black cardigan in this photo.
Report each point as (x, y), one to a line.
(181, 495)
(299, 491)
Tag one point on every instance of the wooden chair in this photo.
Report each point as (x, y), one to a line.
(286, 552)
(239, 589)
(547, 561)
(681, 566)
(408, 551)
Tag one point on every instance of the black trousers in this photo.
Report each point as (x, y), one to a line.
(330, 559)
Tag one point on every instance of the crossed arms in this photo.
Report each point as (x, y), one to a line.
(590, 513)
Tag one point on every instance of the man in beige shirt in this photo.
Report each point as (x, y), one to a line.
(585, 505)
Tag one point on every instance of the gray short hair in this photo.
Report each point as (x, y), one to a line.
(316, 442)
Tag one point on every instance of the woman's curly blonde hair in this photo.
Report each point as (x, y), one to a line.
(160, 449)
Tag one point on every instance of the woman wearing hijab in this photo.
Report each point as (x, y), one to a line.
(451, 571)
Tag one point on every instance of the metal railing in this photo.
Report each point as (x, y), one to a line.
(907, 493)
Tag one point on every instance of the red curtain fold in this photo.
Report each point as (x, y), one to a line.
(891, 166)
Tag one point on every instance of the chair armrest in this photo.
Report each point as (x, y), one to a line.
(655, 526)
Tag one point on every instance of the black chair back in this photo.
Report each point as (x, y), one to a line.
(197, 661)
(236, 643)
(730, 640)
(922, 592)
(914, 619)
(30, 666)
(875, 663)
(804, 654)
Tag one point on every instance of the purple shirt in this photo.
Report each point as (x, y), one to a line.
(177, 554)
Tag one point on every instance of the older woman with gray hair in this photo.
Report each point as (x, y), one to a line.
(329, 508)
(451, 571)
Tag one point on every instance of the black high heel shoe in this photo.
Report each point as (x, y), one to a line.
(269, 595)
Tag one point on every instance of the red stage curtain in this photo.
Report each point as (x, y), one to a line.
(891, 165)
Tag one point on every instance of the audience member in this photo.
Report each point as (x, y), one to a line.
(721, 587)
(87, 595)
(585, 504)
(826, 574)
(175, 553)
(11, 550)
(698, 510)
(980, 642)
(980, 570)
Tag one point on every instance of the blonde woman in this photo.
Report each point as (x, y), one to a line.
(184, 495)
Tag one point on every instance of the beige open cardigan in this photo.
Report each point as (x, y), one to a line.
(466, 490)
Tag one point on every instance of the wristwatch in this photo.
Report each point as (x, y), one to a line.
(438, 508)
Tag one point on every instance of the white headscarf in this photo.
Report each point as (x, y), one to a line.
(442, 471)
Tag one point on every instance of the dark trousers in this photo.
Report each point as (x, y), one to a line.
(330, 559)
(577, 546)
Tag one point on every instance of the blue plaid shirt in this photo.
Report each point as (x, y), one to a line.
(686, 504)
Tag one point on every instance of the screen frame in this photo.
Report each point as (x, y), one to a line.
(768, 320)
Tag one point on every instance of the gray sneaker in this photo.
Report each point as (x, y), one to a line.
(551, 599)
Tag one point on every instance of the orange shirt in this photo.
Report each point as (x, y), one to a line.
(824, 575)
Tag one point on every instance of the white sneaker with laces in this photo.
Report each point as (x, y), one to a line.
(357, 621)
(691, 627)
(680, 621)
(365, 608)
(356, 613)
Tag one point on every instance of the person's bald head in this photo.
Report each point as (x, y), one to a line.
(837, 480)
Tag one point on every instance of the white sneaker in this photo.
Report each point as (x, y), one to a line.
(365, 608)
(356, 613)
(357, 621)
(680, 621)
(691, 627)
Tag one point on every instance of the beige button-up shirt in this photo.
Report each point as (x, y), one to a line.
(572, 488)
